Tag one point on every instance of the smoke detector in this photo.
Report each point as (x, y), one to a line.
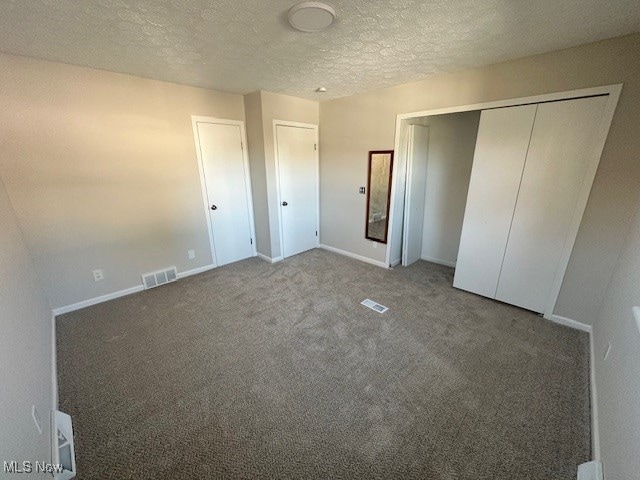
(311, 16)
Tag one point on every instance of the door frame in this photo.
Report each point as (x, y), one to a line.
(407, 191)
(195, 119)
(287, 123)
(613, 91)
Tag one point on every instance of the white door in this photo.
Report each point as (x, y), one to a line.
(227, 190)
(562, 145)
(417, 154)
(298, 181)
(498, 162)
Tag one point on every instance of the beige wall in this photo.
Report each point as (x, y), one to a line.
(25, 348)
(102, 171)
(262, 109)
(452, 142)
(255, 138)
(618, 378)
(354, 125)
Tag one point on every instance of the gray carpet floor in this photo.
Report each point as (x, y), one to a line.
(255, 370)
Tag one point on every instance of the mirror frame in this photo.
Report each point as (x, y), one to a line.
(366, 222)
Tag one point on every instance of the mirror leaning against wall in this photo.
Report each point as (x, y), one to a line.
(378, 195)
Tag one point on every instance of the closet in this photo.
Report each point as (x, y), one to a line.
(529, 170)
(439, 154)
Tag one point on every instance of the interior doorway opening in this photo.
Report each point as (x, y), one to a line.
(452, 158)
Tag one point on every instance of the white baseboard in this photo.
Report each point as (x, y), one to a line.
(395, 263)
(54, 365)
(568, 322)
(595, 430)
(94, 301)
(121, 293)
(269, 259)
(595, 434)
(195, 271)
(354, 255)
(446, 263)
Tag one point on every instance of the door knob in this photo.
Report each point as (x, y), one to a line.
(213, 207)
(284, 204)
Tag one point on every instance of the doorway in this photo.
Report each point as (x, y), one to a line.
(296, 150)
(226, 188)
(439, 157)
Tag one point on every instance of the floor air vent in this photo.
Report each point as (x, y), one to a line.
(374, 306)
(155, 279)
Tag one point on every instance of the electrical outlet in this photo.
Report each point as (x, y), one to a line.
(362, 190)
(36, 418)
(374, 244)
(192, 254)
(606, 354)
(98, 275)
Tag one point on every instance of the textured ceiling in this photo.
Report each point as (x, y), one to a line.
(246, 45)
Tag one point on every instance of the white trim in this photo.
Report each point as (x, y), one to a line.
(269, 259)
(196, 271)
(311, 126)
(613, 91)
(446, 263)
(94, 301)
(377, 263)
(511, 102)
(54, 365)
(568, 322)
(595, 430)
(195, 119)
(121, 293)
(407, 192)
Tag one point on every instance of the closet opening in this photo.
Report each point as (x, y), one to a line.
(439, 155)
(497, 190)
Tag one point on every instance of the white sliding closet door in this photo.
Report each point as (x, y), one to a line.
(417, 153)
(562, 145)
(501, 149)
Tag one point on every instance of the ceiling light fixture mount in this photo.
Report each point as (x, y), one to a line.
(311, 16)
(321, 89)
